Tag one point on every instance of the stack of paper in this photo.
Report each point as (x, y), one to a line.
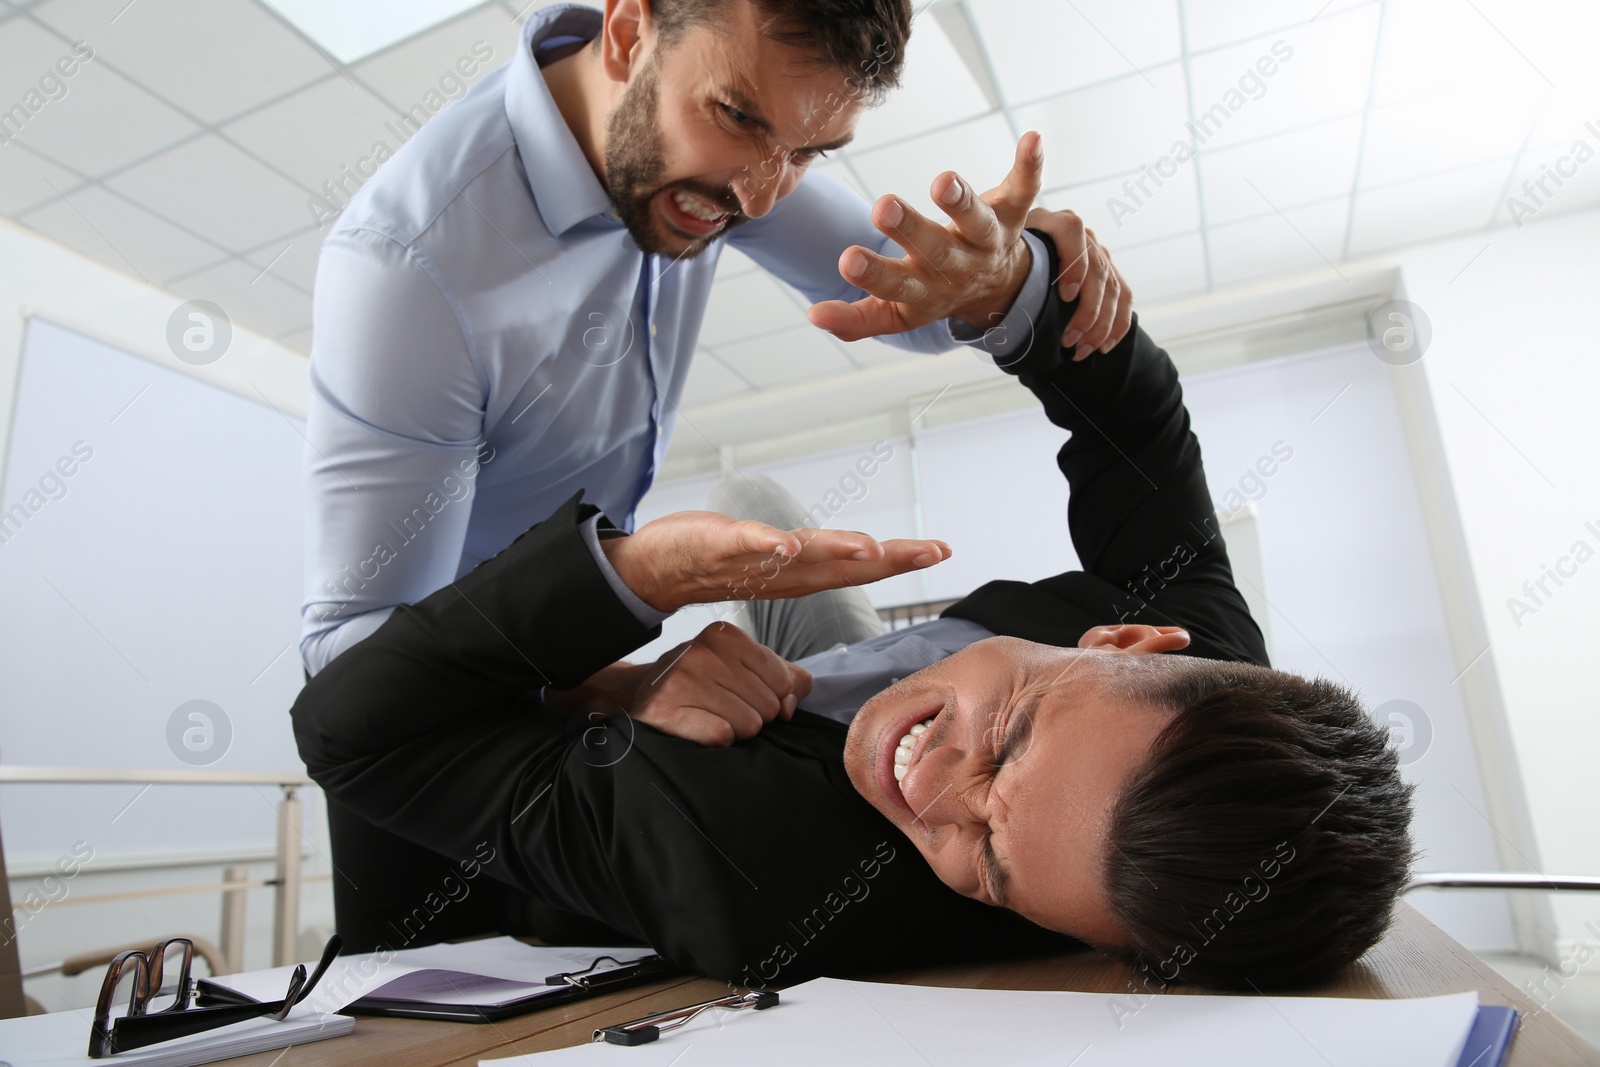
(833, 1021)
(61, 1039)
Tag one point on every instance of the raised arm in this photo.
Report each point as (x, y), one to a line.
(1140, 512)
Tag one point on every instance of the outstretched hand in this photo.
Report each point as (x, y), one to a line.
(972, 268)
(702, 557)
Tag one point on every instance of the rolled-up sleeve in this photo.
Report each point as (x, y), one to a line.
(394, 434)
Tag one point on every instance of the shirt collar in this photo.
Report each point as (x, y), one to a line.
(565, 189)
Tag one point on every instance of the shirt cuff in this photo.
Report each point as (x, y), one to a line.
(1010, 339)
(647, 615)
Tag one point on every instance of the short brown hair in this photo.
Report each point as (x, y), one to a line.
(864, 38)
(1267, 838)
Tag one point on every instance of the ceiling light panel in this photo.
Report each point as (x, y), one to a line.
(1039, 48)
(351, 30)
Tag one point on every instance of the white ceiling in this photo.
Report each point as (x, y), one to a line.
(186, 153)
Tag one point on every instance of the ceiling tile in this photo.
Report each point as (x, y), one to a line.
(96, 121)
(1039, 48)
(1442, 132)
(1121, 211)
(783, 358)
(101, 224)
(980, 151)
(1438, 206)
(1301, 238)
(936, 89)
(213, 188)
(1217, 23)
(710, 379)
(1163, 269)
(1112, 128)
(731, 263)
(1290, 169)
(251, 299)
(835, 168)
(1563, 120)
(1318, 71)
(746, 305)
(444, 60)
(1447, 47)
(321, 135)
(292, 259)
(212, 58)
(1579, 187)
(27, 179)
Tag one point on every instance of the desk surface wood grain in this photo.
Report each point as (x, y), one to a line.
(1416, 959)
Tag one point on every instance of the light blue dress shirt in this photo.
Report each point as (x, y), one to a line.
(489, 340)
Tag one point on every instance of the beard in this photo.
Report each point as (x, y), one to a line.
(635, 161)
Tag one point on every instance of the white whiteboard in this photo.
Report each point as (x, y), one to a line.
(165, 568)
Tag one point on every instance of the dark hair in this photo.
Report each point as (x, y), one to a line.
(1266, 840)
(864, 38)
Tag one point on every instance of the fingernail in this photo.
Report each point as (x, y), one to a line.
(1038, 148)
(861, 554)
(1083, 350)
(855, 263)
(1072, 338)
(924, 560)
(1071, 292)
(893, 213)
(952, 194)
(789, 703)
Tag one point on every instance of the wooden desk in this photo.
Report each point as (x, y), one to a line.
(1417, 959)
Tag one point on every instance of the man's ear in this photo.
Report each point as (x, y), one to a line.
(628, 25)
(1135, 638)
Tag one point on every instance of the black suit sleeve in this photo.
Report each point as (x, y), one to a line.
(1140, 512)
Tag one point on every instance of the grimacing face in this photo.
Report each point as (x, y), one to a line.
(714, 128)
(1008, 793)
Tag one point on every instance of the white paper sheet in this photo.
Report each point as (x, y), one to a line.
(61, 1039)
(833, 1021)
(350, 978)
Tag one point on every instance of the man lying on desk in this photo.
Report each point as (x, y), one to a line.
(1102, 754)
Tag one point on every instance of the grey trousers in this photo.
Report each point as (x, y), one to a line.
(797, 628)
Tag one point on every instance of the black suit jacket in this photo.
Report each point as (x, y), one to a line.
(758, 863)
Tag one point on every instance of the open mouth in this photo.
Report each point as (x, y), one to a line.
(899, 748)
(692, 214)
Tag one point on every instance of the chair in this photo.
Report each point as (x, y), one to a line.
(14, 1002)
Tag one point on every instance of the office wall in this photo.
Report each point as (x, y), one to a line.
(42, 278)
(1515, 378)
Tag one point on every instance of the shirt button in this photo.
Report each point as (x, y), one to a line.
(652, 329)
(660, 430)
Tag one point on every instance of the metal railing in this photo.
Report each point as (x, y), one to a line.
(286, 880)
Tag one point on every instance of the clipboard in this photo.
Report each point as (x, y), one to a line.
(561, 988)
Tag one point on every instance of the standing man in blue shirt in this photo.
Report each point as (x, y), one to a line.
(505, 314)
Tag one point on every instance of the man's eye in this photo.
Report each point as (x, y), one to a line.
(739, 117)
(806, 155)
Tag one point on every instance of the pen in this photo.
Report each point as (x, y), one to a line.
(647, 1029)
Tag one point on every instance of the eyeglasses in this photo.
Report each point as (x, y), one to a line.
(149, 1022)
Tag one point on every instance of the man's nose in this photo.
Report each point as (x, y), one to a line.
(757, 192)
